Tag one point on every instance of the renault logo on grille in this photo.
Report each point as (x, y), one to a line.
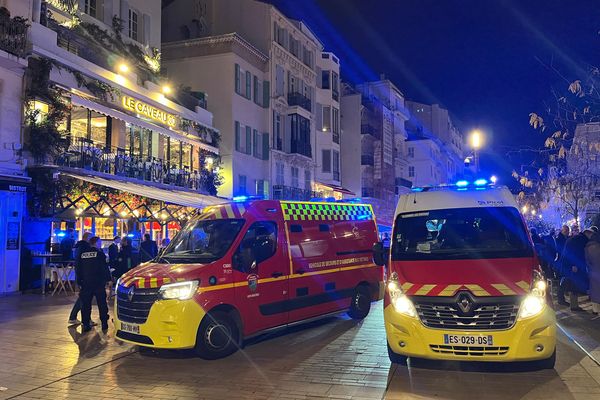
(130, 293)
(465, 302)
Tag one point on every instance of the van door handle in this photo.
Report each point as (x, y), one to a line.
(277, 274)
(300, 271)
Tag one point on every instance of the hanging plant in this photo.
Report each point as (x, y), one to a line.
(100, 89)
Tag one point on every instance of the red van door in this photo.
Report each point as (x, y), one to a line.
(260, 264)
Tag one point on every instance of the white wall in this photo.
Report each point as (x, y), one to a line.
(350, 142)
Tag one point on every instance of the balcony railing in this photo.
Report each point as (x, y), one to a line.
(302, 148)
(281, 192)
(13, 34)
(298, 99)
(83, 153)
(367, 160)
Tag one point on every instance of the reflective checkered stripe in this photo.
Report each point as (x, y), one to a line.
(296, 211)
(492, 289)
(223, 211)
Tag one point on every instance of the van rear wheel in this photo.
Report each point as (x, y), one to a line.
(361, 303)
(217, 336)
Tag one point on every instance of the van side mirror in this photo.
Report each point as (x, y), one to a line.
(379, 254)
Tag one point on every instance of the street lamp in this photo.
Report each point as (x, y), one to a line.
(476, 141)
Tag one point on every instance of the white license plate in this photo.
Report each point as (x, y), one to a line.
(469, 340)
(131, 328)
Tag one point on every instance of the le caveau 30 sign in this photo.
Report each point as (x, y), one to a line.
(149, 111)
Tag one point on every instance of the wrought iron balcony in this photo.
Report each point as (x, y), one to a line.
(281, 192)
(83, 153)
(298, 99)
(13, 34)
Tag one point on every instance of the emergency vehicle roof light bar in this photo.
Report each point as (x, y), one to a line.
(462, 185)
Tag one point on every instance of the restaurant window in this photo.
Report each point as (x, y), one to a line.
(133, 140)
(133, 24)
(79, 122)
(98, 125)
(187, 155)
(89, 125)
(174, 152)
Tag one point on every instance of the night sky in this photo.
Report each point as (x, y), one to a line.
(486, 61)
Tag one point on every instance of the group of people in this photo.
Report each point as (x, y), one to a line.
(94, 271)
(572, 258)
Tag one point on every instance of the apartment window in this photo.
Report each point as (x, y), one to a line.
(325, 79)
(336, 120)
(238, 79)
(133, 24)
(256, 144)
(260, 187)
(307, 56)
(279, 174)
(280, 34)
(300, 135)
(411, 172)
(279, 80)
(411, 152)
(257, 89)
(242, 188)
(335, 88)
(243, 138)
(336, 165)
(295, 177)
(326, 161)
(277, 131)
(92, 8)
(295, 47)
(307, 180)
(326, 118)
(248, 85)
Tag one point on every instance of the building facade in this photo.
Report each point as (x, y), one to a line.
(351, 110)
(112, 147)
(290, 74)
(383, 161)
(431, 130)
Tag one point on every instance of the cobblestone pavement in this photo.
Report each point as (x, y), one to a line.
(336, 358)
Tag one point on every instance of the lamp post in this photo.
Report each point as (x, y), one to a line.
(476, 141)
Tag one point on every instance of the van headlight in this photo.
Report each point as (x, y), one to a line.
(179, 290)
(534, 303)
(399, 300)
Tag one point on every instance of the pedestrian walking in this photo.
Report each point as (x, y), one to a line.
(148, 249)
(80, 247)
(92, 276)
(592, 257)
(574, 270)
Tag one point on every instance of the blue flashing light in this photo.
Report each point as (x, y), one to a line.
(481, 182)
(61, 234)
(462, 184)
(130, 235)
(417, 189)
(240, 198)
(461, 188)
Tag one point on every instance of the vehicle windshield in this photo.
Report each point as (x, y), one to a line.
(463, 233)
(202, 241)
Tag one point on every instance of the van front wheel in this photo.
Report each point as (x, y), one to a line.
(217, 336)
(361, 303)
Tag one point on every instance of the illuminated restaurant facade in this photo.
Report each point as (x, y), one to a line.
(113, 148)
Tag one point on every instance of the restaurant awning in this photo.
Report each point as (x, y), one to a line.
(337, 188)
(173, 196)
(92, 105)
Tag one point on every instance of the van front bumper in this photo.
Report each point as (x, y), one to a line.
(409, 337)
(171, 324)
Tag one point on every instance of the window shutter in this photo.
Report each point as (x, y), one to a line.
(248, 85)
(319, 111)
(238, 88)
(248, 140)
(256, 95)
(266, 94)
(279, 80)
(146, 21)
(237, 136)
(265, 146)
(255, 143)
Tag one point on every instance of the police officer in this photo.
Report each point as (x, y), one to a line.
(92, 275)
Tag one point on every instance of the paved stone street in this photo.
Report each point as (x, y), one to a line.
(337, 358)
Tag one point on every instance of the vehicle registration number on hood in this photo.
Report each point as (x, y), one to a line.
(469, 340)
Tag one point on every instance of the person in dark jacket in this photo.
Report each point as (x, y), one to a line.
(80, 247)
(549, 254)
(66, 245)
(148, 249)
(125, 257)
(113, 254)
(92, 276)
(574, 270)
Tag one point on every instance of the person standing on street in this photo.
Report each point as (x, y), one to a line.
(113, 254)
(125, 257)
(148, 249)
(549, 254)
(592, 257)
(92, 276)
(67, 244)
(574, 270)
(80, 247)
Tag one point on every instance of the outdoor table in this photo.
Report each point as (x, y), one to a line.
(45, 257)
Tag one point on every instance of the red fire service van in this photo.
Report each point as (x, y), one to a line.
(465, 283)
(241, 268)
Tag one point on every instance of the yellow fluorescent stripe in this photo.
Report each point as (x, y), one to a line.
(502, 288)
(449, 290)
(229, 211)
(166, 280)
(477, 290)
(424, 290)
(141, 283)
(523, 285)
(153, 283)
(357, 267)
(216, 287)
(289, 250)
(406, 286)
